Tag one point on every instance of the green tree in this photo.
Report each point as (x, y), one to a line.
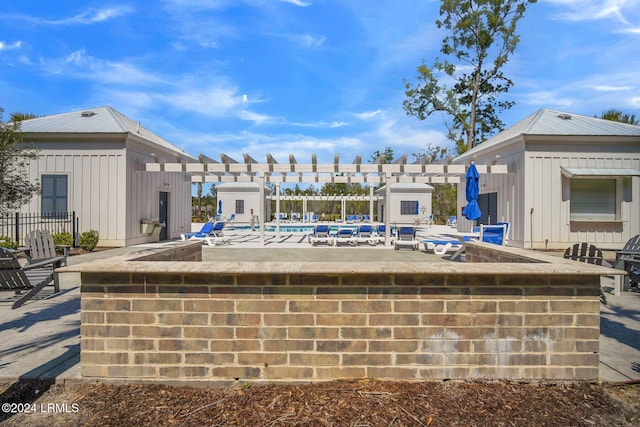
(387, 155)
(15, 155)
(18, 117)
(618, 116)
(444, 196)
(482, 36)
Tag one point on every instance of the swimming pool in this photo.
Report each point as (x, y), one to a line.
(292, 228)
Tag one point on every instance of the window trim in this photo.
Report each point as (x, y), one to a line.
(595, 217)
(409, 205)
(54, 213)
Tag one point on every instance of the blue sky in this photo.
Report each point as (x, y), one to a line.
(296, 76)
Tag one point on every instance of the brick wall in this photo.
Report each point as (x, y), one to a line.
(218, 324)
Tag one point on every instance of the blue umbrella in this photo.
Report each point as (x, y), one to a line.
(219, 207)
(472, 210)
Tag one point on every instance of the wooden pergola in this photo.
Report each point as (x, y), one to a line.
(376, 173)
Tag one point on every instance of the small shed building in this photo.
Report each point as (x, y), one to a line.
(93, 162)
(407, 202)
(571, 179)
(243, 200)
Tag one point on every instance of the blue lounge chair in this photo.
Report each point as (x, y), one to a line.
(345, 235)
(495, 234)
(406, 236)
(314, 218)
(216, 237)
(320, 234)
(365, 235)
(380, 233)
(350, 219)
(452, 221)
(204, 231)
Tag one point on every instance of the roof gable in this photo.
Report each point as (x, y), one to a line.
(553, 122)
(96, 121)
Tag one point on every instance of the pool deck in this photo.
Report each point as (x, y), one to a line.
(41, 339)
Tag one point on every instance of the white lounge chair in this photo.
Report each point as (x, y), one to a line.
(365, 235)
(320, 235)
(406, 236)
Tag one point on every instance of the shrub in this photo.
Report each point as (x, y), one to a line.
(89, 240)
(62, 239)
(7, 242)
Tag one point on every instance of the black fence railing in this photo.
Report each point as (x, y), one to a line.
(18, 225)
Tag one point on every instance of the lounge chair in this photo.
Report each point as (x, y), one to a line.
(350, 219)
(345, 235)
(380, 233)
(405, 236)
(452, 221)
(365, 218)
(39, 246)
(365, 235)
(314, 218)
(27, 281)
(320, 234)
(441, 246)
(204, 231)
(585, 252)
(216, 237)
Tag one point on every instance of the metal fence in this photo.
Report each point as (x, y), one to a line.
(18, 225)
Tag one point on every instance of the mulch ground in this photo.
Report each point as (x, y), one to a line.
(339, 403)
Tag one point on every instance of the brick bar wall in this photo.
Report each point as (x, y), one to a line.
(195, 327)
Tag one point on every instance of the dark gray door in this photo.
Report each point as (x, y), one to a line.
(163, 214)
(488, 204)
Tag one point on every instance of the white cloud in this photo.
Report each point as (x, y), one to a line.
(604, 88)
(307, 40)
(297, 3)
(12, 46)
(547, 98)
(621, 11)
(80, 65)
(366, 115)
(88, 17)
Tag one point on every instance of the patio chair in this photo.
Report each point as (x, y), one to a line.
(364, 234)
(495, 234)
(624, 258)
(405, 236)
(320, 234)
(204, 231)
(452, 221)
(39, 246)
(585, 252)
(25, 282)
(345, 235)
(216, 236)
(314, 218)
(441, 246)
(379, 233)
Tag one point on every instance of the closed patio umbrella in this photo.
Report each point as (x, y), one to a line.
(472, 210)
(219, 207)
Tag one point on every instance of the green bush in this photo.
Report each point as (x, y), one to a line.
(62, 239)
(7, 242)
(89, 240)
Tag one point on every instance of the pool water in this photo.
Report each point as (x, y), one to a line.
(289, 228)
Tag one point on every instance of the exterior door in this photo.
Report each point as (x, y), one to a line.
(488, 204)
(163, 214)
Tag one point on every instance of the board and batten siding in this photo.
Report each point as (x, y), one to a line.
(96, 187)
(549, 194)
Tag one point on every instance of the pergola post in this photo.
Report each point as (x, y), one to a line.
(278, 210)
(387, 196)
(370, 203)
(261, 210)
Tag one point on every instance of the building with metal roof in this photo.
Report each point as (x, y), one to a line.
(93, 162)
(571, 178)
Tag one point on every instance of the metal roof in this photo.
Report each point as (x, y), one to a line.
(101, 120)
(553, 122)
(571, 172)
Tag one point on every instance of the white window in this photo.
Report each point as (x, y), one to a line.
(594, 199)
